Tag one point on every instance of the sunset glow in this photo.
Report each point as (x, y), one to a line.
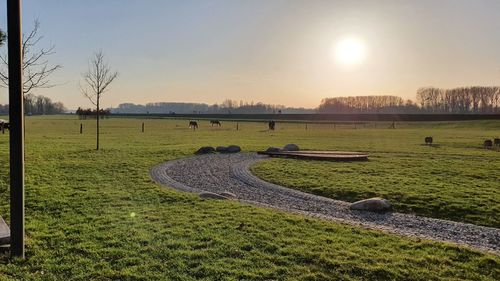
(350, 51)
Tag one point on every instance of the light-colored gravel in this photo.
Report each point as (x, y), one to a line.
(230, 172)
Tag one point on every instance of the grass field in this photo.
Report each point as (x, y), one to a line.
(456, 179)
(96, 215)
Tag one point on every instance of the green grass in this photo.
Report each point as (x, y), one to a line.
(456, 179)
(96, 215)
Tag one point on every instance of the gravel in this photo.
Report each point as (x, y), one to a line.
(220, 173)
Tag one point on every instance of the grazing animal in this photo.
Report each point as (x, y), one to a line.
(193, 124)
(271, 125)
(215, 122)
(4, 125)
(428, 140)
(496, 142)
(488, 144)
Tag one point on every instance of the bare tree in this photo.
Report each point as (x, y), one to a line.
(2, 37)
(95, 82)
(36, 67)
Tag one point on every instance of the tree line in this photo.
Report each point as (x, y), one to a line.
(463, 100)
(367, 104)
(459, 100)
(84, 113)
(37, 105)
(226, 107)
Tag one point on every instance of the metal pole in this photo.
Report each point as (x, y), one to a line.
(16, 113)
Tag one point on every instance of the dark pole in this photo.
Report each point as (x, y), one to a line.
(16, 120)
(81, 128)
(143, 127)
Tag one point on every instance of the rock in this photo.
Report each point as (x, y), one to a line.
(291, 147)
(228, 195)
(221, 149)
(233, 149)
(211, 195)
(205, 150)
(373, 204)
(273, 149)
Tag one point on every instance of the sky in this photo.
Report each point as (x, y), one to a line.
(272, 51)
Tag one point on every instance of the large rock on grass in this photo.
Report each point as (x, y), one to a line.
(291, 147)
(221, 149)
(228, 149)
(373, 205)
(233, 149)
(205, 150)
(273, 149)
(211, 195)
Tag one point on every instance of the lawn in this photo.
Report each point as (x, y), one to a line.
(455, 179)
(96, 215)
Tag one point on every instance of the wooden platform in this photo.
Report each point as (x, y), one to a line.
(4, 232)
(320, 155)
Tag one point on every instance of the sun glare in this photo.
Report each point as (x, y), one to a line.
(349, 51)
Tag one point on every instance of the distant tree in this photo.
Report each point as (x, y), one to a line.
(36, 67)
(2, 37)
(39, 105)
(95, 82)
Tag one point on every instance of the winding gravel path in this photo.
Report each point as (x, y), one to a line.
(230, 172)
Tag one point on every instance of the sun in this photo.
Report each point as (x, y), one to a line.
(349, 51)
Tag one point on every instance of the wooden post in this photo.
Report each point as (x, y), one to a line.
(237, 126)
(306, 126)
(81, 128)
(143, 127)
(16, 114)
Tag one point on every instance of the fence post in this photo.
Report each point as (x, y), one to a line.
(237, 126)
(143, 127)
(81, 128)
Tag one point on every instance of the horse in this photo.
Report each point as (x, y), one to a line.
(428, 140)
(4, 125)
(488, 144)
(193, 124)
(215, 122)
(496, 142)
(271, 125)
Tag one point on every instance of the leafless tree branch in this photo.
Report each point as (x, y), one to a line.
(36, 67)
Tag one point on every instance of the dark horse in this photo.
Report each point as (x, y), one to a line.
(271, 125)
(4, 125)
(488, 144)
(193, 124)
(215, 122)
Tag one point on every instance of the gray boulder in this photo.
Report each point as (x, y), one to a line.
(228, 195)
(373, 205)
(205, 150)
(273, 149)
(228, 149)
(233, 149)
(291, 147)
(211, 195)
(221, 149)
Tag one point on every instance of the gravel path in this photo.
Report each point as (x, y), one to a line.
(230, 172)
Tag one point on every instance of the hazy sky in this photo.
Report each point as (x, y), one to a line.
(274, 51)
